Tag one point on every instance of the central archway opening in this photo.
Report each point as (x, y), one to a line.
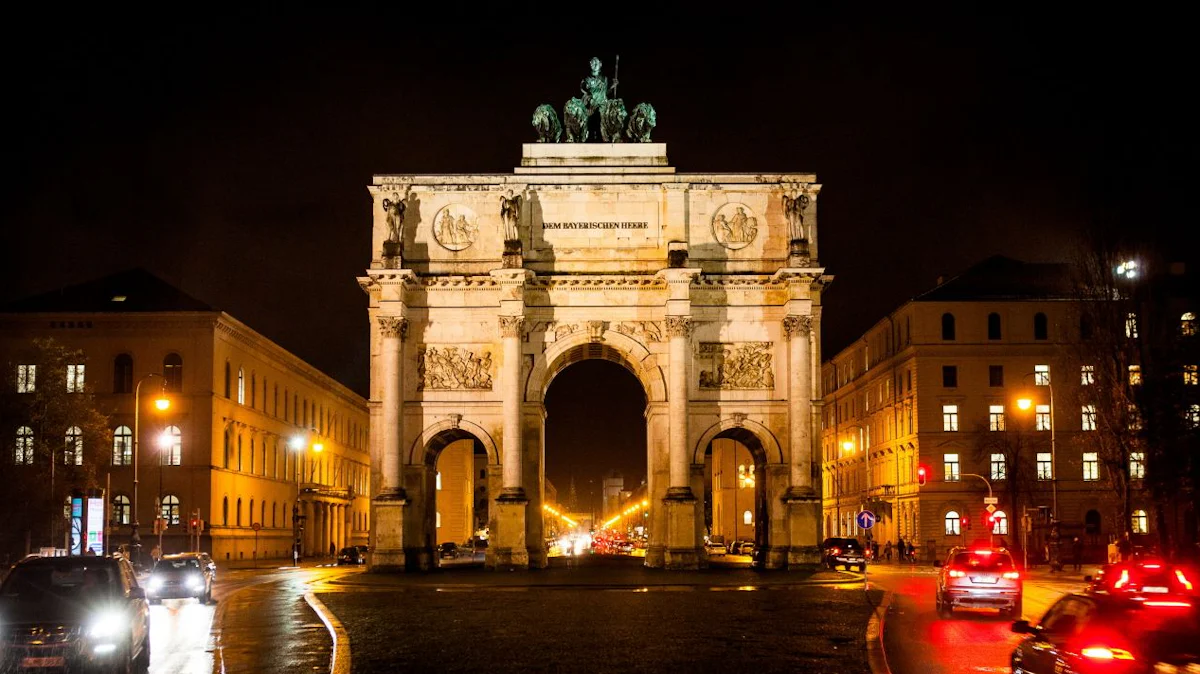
(596, 496)
(735, 498)
(458, 464)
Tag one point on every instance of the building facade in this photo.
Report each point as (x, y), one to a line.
(251, 434)
(937, 386)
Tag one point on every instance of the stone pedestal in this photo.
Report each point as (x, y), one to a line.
(682, 551)
(804, 530)
(387, 525)
(506, 549)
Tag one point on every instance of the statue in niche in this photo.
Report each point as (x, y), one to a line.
(575, 119)
(793, 209)
(545, 122)
(394, 208)
(641, 123)
(510, 215)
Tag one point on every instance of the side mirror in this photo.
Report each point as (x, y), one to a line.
(137, 593)
(1022, 627)
(937, 563)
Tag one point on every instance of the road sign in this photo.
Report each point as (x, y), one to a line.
(865, 519)
(991, 500)
(991, 508)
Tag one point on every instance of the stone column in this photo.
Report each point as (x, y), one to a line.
(388, 507)
(679, 331)
(804, 505)
(509, 530)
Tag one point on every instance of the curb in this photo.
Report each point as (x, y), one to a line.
(876, 656)
(339, 659)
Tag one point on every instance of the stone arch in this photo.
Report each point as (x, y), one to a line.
(614, 347)
(749, 433)
(437, 436)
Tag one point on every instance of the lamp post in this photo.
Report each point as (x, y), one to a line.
(297, 444)
(849, 447)
(1025, 404)
(161, 403)
(164, 445)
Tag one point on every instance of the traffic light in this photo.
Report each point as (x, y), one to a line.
(966, 522)
(922, 476)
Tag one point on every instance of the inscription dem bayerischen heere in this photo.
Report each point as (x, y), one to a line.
(596, 225)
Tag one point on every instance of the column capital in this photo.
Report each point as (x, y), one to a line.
(679, 326)
(393, 326)
(797, 326)
(511, 326)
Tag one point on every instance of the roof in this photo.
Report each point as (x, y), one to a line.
(1003, 278)
(141, 292)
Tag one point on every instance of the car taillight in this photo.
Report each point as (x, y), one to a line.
(1168, 604)
(1105, 653)
(955, 573)
(1011, 575)
(1183, 579)
(836, 551)
(1123, 580)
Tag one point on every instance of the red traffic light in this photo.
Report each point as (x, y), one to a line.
(922, 476)
(966, 522)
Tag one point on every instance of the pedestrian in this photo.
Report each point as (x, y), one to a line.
(156, 553)
(887, 551)
(900, 550)
(332, 549)
(912, 552)
(1077, 553)
(1125, 547)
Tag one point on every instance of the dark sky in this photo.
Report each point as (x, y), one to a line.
(231, 156)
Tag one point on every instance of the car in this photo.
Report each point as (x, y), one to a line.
(746, 548)
(1146, 577)
(73, 614)
(844, 552)
(179, 577)
(205, 560)
(1126, 634)
(448, 550)
(715, 548)
(351, 555)
(979, 578)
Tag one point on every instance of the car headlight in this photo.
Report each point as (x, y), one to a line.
(195, 582)
(106, 624)
(154, 584)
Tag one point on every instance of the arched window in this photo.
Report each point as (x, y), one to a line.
(225, 511)
(1141, 523)
(1091, 522)
(1187, 324)
(169, 509)
(948, 327)
(23, 454)
(253, 389)
(250, 512)
(273, 512)
(264, 457)
(120, 509)
(1041, 329)
(1000, 523)
(227, 381)
(171, 444)
(241, 386)
(239, 454)
(251, 455)
(73, 447)
(122, 446)
(123, 374)
(262, 513)
(227, 448)
(748, 518)
(238, 514)
(952, 523)
(993, 326)
(173, 372)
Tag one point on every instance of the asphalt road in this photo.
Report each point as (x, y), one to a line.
(916, 641)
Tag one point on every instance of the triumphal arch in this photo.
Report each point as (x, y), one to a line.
(707, 287)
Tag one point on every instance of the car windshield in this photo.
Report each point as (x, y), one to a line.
(349, 551)
(982, 561)
(848, 543)
(176, 565)
(76, 579)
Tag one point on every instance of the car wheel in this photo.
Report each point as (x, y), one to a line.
(944, 609)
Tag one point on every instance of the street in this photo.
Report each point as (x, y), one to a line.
(916, 641)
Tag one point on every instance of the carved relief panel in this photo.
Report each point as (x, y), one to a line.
(455, 227)
(746, 365)
(450, 368)
(735, 226)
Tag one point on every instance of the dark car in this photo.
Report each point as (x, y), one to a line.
(179, 577)
(448, 550)
(845, 552)
(73, 614)
(1085, 633)
(351, 556)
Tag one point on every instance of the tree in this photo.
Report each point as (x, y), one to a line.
(55, 441)
(1019, 481)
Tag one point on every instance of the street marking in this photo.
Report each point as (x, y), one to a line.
(876, 654)
(339, 659)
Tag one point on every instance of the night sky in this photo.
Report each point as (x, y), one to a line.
(231, 157)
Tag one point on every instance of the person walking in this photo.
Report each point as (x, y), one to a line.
(900, 550)
(1077, 553)
(887, 551)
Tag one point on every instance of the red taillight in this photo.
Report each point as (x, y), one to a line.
(1183, 579)
(1105, 653)
(1152, 566)
(835, 551)
(1123, 580)
(1168, 604)
(1011, 575)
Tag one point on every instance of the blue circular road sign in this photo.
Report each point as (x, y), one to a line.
(865, 519)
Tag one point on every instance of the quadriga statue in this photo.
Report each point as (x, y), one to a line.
(641, 123)
(545, 122)
(612, 120)
(575, 119)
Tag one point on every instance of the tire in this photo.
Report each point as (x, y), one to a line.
(944, 609)
(862, 568)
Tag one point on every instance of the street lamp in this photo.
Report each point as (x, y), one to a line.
(297, 444)
(1025, 404)
(162, 403)
(164, 445)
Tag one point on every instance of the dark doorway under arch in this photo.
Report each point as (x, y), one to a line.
(735, 490)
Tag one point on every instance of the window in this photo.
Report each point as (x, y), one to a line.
(1141, 523)
(171, 446)
(262, 512)
(238, 514)
(950, 418)
(999, 467)
(952, 523)
(439, 480)
(120, 509)
(950, 462)
(241, 386)
(1135, 375)
(1191, 377)
(1091, 466)
(993, 326)
(1087, 375)
(1187, 324)
(1041, 417)
(23, 454)
(1045, 469)
(1193, 415)
(996, 417)
(75, 379)
(1000, 523)
(950, 376)
(1134, 420)
(227, 380)
(1041, 375)
(252, 459)
(239, 452)
(1088, 415)
(227, 444)
(122, 446)
(1137, 465)
(908, 381)
(948, 327)
(1091, 522)
(1131, 325)
(995, 375)
(169, 509)
(253, 391)
(123, 374)
(173, 372)
(439, 520)
(1040, 327)
(73, 449)
(225, 511)
(250, 513)
(26, 378)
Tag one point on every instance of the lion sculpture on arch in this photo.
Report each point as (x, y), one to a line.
(545, 122)
(575, 119)
(641, 122)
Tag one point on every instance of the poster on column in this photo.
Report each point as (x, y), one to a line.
(95, 526)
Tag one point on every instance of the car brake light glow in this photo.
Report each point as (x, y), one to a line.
(1183, 579)
(1123, 580)
(955, 573)
(1168, 604)
(836, 551)
(1105, 653)
(1011, 575)
(985, 553)
(1152, 566)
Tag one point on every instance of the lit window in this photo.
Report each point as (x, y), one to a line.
(171, 446)
(1141, 523)
(1087, 375)
(439, 520)
(1088, 415)
(1041, 417)
(75, 379)
(26, 378)
(1187, 324)
(73, 449)
(950, 418)
(1131, 325)
(999, 467)
(1045, 469)
(169, 509)
(1091, 466)
(241, 386)
(1134, 421)
(1000, 523)
(1135, 375)
(120, 509)
(122, 446)
(1193, 415)
(748, 518)
(1041, 375)
(439, 480)
(1137, 465)
(950, 463)
(23, 454)
(1191, 376)
(996, 417)
(952, 523)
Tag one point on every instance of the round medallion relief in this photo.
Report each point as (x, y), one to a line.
(734, 225)
(454, 227)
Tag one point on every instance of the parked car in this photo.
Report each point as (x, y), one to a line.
(715, 548)
(742, 548)
(979, 578)
(72, 614)
(448, 550)
(179, 576)
(351, 555)
(844, 552)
